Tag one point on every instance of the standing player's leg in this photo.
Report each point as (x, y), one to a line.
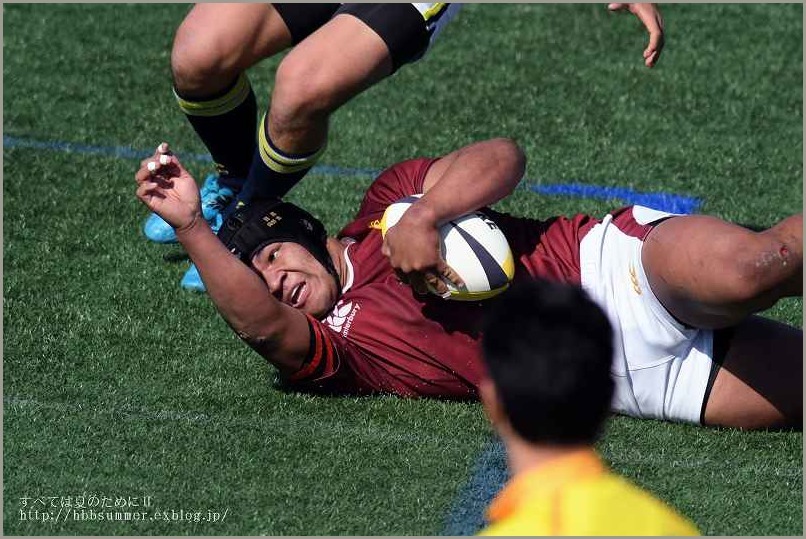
(712, 274)
(361, 45)
(330, 63)
(213, 48)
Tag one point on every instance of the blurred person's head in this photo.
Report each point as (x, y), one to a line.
(548, 349)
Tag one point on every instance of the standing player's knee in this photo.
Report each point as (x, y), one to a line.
(301, 94)
(199, 65)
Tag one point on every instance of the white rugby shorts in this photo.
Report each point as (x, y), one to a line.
(660, 366)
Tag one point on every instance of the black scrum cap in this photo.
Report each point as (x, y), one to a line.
(261, 222)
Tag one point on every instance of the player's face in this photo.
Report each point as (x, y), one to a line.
(296, 278)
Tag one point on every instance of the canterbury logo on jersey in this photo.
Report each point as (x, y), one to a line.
(341, 318)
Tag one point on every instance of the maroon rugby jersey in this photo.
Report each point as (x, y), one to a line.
(383, 337)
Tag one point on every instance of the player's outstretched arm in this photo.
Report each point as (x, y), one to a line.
(650, 16)
(465, 180)
(278, 332)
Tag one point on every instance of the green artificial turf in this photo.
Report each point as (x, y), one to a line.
(119, 384)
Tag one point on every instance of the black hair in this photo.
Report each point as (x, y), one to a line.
(548, 349)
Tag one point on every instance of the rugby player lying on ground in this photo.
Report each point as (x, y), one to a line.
(333, 315)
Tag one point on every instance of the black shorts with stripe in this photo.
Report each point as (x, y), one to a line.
(406, 31)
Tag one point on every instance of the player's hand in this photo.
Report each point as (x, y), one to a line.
(168, 190)
(412, 246)
(653, 22)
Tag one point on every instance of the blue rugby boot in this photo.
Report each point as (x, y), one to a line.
(192, 280)
(214, 197)
(157, 230)
(215, 217)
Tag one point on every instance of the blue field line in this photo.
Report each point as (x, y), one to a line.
(466, 514)
(132, 153)
(660, 201)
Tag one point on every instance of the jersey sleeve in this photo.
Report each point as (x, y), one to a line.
(327, 366)
(396, 182)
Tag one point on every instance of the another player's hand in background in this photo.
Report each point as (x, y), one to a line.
(653, 21)
(169, 190)
(412, 246)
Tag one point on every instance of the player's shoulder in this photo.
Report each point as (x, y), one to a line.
(395, 182)
(408, 171)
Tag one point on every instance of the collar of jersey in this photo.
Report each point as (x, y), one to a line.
(348, 283)
(576, 466)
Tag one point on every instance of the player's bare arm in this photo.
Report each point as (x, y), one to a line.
(652, 20)
(278, 332)
(474, 176)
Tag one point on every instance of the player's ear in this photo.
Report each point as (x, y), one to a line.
(492, 404)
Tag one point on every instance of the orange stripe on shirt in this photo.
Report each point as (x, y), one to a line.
(327, 369)
(316, 356)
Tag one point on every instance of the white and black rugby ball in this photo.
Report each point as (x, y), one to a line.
(473, 246)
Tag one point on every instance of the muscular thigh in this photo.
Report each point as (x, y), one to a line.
(359, 46)
(333, 64)
(232, 36)
(760, 382)
(408, 30)
(689, 261)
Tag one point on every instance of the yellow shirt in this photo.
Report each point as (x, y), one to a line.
(577, 495)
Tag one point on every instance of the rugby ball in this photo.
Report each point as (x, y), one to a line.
(473, 246)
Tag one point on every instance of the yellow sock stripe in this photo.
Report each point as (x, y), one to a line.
(220, 105)
(282, 163)
(429, 10)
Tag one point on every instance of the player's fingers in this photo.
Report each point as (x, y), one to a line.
(142, 174)
(149, 189)
(655, 47)
(418, 283)
(171, 165)
(151, 175)
(451, 276)
(437, 285)
(652, 55)
(616, 6)
(162, 149)
(164, 160)
(143, 189)
(651, 18)
(147, 171)
(404, 278)
(651, 58)
(161, 167)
